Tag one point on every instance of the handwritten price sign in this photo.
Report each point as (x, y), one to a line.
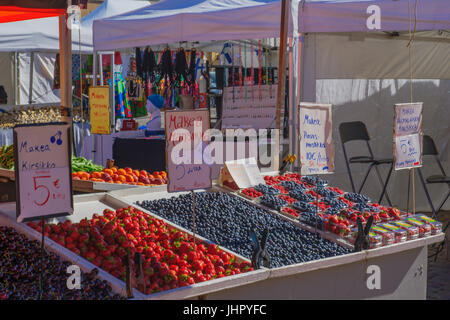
(184, 149)
(316, 141)
(43, 171)
(408, 135)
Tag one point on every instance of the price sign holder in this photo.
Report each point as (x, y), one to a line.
(59, 136)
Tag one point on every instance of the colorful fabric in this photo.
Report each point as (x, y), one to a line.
(123, 109)
(138, 107)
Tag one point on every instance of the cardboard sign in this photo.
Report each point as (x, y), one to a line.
(244, 172)
(184, 135)
(408, 135)
(43, 171)
(316, 140)
(247, 109)
(99, 110)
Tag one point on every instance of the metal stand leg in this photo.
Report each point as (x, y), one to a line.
(426, 193)
(365, 178)
(443, 202)
(386, 183)
(348, 169)
(381, 183)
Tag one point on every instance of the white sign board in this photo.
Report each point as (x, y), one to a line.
(249, 107)
(408, 135)
(245, 172)
(186, 171)
(43, 171)
(316, 140)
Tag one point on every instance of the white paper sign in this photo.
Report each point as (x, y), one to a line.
(245, 172)
(408, 135)
(316, 141)
(249, 107)
(193, 174)
(43, 171)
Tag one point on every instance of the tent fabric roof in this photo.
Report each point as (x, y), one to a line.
(195, 20)
(353, 15)
(43, 34)
(18, 10)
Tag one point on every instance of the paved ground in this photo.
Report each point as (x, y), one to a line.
(439, 270)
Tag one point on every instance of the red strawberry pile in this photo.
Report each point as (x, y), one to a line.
(322, 206)
(314, 194)
(293, 177)
(288, 199)
(270, 180)
(336, 189)
(338, 225)
(282, 189)
(292, 212)
(252, 193)
(170, 258)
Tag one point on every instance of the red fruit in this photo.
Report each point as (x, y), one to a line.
(198, 265)
(90, 256)
(192, 256)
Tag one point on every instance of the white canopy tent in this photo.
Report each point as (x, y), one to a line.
(361, 66)
(172, 21)
(41, 37)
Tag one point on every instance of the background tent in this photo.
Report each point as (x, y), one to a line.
(172, 21)
(364, 73)
(41, 35)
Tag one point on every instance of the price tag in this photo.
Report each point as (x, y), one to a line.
(408, 135)
(99, 110)
(43, 171)
(316, 140)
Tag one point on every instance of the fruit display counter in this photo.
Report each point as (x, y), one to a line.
(174, 266)
(306, 263)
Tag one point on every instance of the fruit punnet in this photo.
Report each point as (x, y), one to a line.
(265, 189)
(123, 176)
(227, 220)
(273, 202)
(170, 258)
(20, 269)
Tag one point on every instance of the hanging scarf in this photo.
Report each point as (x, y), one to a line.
(139, 62)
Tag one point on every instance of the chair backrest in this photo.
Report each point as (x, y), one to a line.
(355, 130)
(429, 147)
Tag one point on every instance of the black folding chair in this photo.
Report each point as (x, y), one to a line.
(429, 149)
(354, 131)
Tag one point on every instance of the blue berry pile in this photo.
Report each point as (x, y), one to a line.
(364, 207)
(292, 185)
(310, 218)
(301, 196)
(334, 203)
(273, 202)
(265, 189)
(316, 181)
(325, 192)
(304, 206)
(227, 220)
(356, 197)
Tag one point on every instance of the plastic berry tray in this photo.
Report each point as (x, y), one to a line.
(436, 226)
(424, 228)
(401, 235)
(412, 231)
(389, 237)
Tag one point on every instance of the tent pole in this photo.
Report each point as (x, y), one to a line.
(15, 78)
(94, 83)
(30, 88)
(281, 70)
(291, 97)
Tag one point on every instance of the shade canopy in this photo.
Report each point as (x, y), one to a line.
(172, 21)
(43, 34)
(18, 10)
(369, 15)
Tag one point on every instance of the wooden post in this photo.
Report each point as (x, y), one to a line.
(281, 63)
(65, 62)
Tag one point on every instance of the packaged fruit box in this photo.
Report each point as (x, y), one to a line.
(424, 228)
(412, 231)
(375, 240)
(436, 226)
(389, 237)
(401, 235)
(250, 193)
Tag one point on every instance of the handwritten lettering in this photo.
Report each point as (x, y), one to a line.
(36, 148)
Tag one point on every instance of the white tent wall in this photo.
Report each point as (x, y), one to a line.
(7, 79)
(44, 66)
(363, 76)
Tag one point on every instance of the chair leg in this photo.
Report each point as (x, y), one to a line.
(348, 168)
(426, 193)
(386, 183)
(365, 178)
(443, 202)
(381, 183)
